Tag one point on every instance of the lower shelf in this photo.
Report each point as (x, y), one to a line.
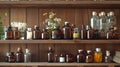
(36, 64)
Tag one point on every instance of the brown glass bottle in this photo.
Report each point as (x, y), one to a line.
(69, 58)
(102, 34)
(16, 33)
(83, 33)
(19, 55)
(89, 56)
(50, 55)
(108, 58)
(36, 32)
(45, 34)
(80, 56)
(67, 31)
(9, 33)
(11, 57)
(115, 33)
(89, 32)
(110, 34)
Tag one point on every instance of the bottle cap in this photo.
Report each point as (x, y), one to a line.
(102, 13)
(111, 13)
(66, 23)
(89, 51)
(36, 26)
(107, 53)
(27, 50)
(80, 50)
(98, 49)
(94, 13)
(29, 29)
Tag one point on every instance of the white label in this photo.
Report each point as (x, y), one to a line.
(29, 35)
(61, 59)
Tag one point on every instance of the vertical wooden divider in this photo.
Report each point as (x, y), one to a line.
(5, 21)
(18, 15)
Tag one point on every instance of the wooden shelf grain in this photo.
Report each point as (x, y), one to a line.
(63, 4)
(60, 41)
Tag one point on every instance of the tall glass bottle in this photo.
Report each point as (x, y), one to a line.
(50, 55)
(27, 56)
(19, 55)
(98, 56)
(83, 33)
(95, 23)
(9, 33)
(80, 56)
(67, 31)
(36, 32)
(29, 34)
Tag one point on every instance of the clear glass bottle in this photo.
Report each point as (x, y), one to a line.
(108, 58)
(80, 56)
(29, 34)
(95, 21)
(16, 33)
(9, 33)
(50, 55)
(89, 56)
(98, 55)
(62, 58)
(67, 31)
(36, 32)
(83, 33)
(27, 56)
(19, 55)
(89, 32)
(76, 33)
(45, 34)
(11, 57)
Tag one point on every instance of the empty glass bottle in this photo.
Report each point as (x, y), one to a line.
(36, 32)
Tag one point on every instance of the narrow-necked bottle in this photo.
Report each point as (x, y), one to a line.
(50, 55)
(19, 55)
(98, 55)
(83, 32)
(89, 32)
(9, 33)
(36, 32)
(27, 56)
(29, 34)
(67, 31)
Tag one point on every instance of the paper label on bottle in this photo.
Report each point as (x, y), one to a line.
(29, 35)
(61, 59)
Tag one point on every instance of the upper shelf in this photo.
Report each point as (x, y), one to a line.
(62, 4)
(61, 41)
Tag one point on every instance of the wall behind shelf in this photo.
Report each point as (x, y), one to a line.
(33, 16)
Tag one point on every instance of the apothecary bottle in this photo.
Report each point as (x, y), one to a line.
(50, 54)
(102, 34)
(9, 33)
(108, 57)
(29, 34)
(27, 56)
(110, 33)
(98, 55)
(67, 31)
(76, 33)
(6, 56)
(19, 55)
(89, 32)
(116, 33)
(45, 34)
(11, 57)
(36, 32)
(83, 32)
(69, 58)
(16, 33)
(62, 58)
(89, 56)
(80, 56)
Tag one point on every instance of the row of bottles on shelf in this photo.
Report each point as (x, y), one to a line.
(20, 56)
(82, 56)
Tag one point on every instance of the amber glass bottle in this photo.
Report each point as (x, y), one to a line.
(83, 33)
(110, 34)
(50, 55)
(45, 34)
(16, 33)
(98, 56)
(69, 58)
(36, 32)
(9, 33)
(67, 31)
(80, 56)
(102, 34)
(89, 56)
(11, 57)
(89, 32)
(19, 55)
(116, 33)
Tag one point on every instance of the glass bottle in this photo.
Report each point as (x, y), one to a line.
(69, 58)
(115, 33)
(89, 56)
(45, 34)
(16, 33)
(80, 56)
(83, 32)
(11, 57)
(56, 58)
(98, 56)
(95, 21)
(6, 57)
(36, 32)
(50, 55)
(110, 33)
(89, 32)
(19, 55)
(108, 58)
(76, 34)
(9, 33)
(102, 34)
(62, 58)
(67, 31)
(27, 56)
(29, 34)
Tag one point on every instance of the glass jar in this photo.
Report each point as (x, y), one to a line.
(89, 56)
(57, 33)
(69, 58)
(98, 56)
(80, 56)
(102, 34)
(62, 58)
(36, 32)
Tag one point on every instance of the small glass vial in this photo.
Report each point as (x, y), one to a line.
(9, 33)
(11, 57)
(45, 34)
(50, 55)
(98, 56)
(80, 56)
(89, 56)
(16, 33)
(27, 56)
(76, 34)
(19, 55)
(108, 58)
(83, 33)
(36, 32)
(62, 58)
(29, 34)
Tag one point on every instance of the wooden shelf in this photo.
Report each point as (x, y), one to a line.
(63, 4)
(60, 41)
(35, 64)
